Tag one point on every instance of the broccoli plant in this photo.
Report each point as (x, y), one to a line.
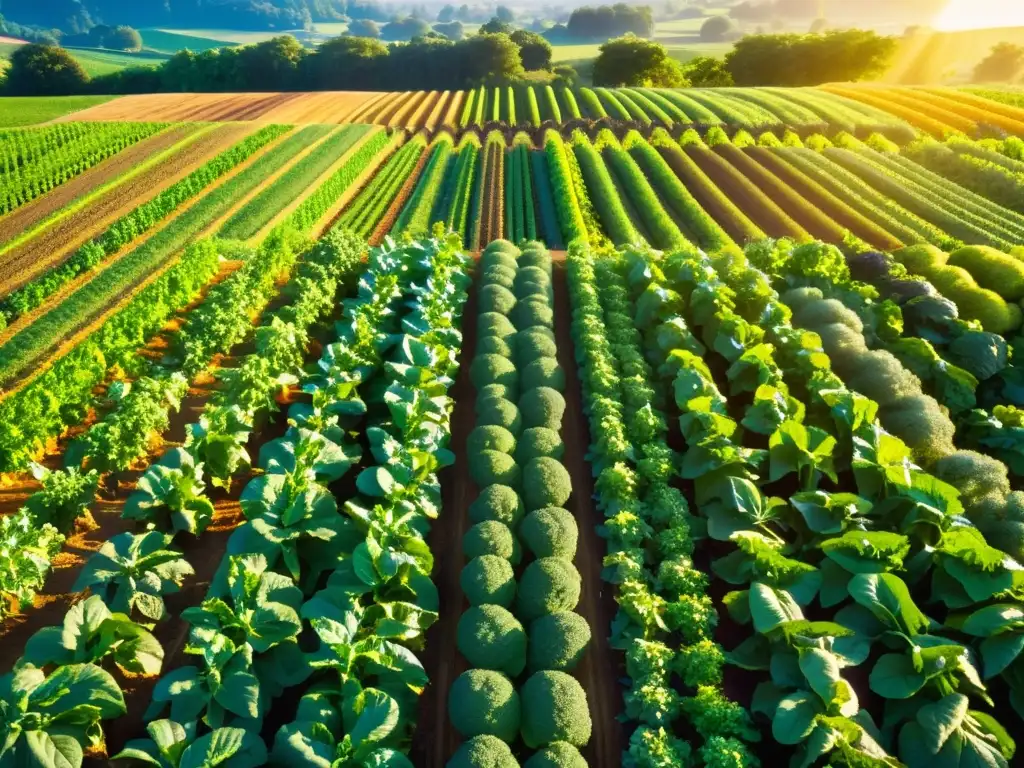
(48, 721)
(172, 745)
(133, 572)
(91, 633)
(173, 487)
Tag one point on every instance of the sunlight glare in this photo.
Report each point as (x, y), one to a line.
(980, 14)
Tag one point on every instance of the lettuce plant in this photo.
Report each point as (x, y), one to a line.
(172, 745)
(172, 487)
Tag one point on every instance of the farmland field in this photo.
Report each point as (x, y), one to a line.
(514, 427)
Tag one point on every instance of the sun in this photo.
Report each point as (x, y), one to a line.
(980, 14)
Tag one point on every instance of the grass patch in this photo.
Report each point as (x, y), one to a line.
(168, 41)
(17, 111)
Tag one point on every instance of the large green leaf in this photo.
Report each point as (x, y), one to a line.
(894, 677)
(771, 607)
(795, 717)
(232, 747)
(45, 750)
(946, 734)
(888, 598)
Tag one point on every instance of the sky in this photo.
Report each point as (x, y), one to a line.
(980, 14)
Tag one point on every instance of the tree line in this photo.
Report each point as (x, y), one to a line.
(430, 62)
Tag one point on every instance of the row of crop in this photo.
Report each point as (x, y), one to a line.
(143, 219)
(457, 200)
(792, 553)
(364, 212)
(666, 622)
(546, 213)
(523, 631)
(22, 146)
(132, 573)
(138, 264)
(489, 201)
(260, 210)
(602, 192)
(255, 656)
(415, 217)
(521, 213)
(986, 173)
(24, 181)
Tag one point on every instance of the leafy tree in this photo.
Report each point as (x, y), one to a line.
(716, 29)
(496, 27)
(43, 70)
(453, 30)
(534, 49)
(271, 65)
(707, 72)
(446, 14)
(566, 75)
(1003, 64)
(123, 39)
(799, 60)
(404, 29)
(631, 61)
(363, 28)
(345, 63)
(489, 57)
(609, 21)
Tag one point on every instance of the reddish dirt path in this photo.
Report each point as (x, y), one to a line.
(435, 740)
(30, 214)
(600, 669)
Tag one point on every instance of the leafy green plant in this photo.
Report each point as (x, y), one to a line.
(172, 745)
(133, 573)
(26, 549)
(64, 497)
(48, 720)
(172, 487)
(89, 634)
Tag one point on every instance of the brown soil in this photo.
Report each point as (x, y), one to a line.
(830, 205)
(30, 214)
(285, 108)
(57, 243)
(743, 194)
(435, 740)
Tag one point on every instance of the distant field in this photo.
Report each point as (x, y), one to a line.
(98, 62)
(17, 111)
(225, 36)
(947, 56)
(167, 41)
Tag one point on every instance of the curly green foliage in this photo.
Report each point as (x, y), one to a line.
(695, 618)
(497, 411)
(975, 302)
(490, 438)
(497, 502)
(498, 275)
(656, 748)
(539, 441)
(494, 324)
(558, 641)
(493, 369)
(1003, 524)
(992, 269)
(554, 709)
(534, 290)
(534, 343)
(543, 372)
(677, 574)
(495, 345)
(542, 407)
(493, 467)
(722, 752)
(483, 752)
(500, 391)
(547, 585)
(491, 538)
(491, 638)
(500, 247)
(920, 259)
(700, 663)
(546, 483)
(535, 255)
(979, 478)
(484, 702)
(714, 715)
(877, 374)
(820, 313)
(922, 424)
(557, 755)
(530, 313)
(488, 579)
(550, 532)
(495, 298)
